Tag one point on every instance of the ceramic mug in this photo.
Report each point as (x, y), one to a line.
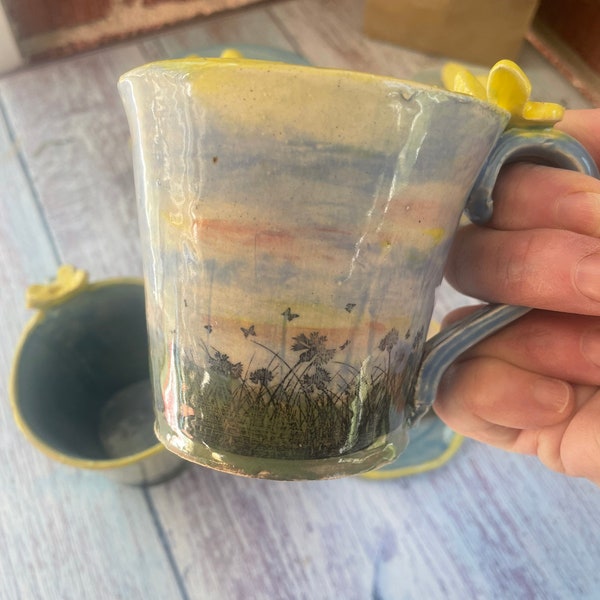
(80, 386)
(295, 223)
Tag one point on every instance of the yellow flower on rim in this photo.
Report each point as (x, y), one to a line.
(508, 87)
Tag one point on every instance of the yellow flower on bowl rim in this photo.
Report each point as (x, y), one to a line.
(507, 86)
(68, 282)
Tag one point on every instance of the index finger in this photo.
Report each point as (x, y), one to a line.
(584, 126)
(532, 196)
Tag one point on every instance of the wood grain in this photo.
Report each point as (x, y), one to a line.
(252, 26)
(64, 534)
(487, 525)
(76, 147)
(329, 34)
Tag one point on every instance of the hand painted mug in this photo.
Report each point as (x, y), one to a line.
(295, 223)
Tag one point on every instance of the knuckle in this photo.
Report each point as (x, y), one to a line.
(531, 268)
(517, 268)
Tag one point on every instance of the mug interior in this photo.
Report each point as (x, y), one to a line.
(76, 357)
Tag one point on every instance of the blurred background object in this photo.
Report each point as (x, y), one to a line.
(567, 34)
(10, 57)
(47, 28)
(482, 32)
(477, 31)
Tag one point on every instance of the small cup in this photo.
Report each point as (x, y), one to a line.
(80, 384)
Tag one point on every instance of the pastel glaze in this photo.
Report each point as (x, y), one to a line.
(295, 224)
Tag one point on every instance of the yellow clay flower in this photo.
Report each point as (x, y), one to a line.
(231, 53)
(68, 282)
(508, 87)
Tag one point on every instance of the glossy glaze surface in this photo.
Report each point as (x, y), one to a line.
(292, 248)
(493, 524)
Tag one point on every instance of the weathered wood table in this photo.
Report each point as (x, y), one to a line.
(487, 525)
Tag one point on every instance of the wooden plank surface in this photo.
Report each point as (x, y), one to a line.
(73, 137)
(63, 533)
(252, 26)
(488, 525)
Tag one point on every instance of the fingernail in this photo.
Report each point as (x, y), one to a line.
(587, 276)
(590, 346)
(551, 394)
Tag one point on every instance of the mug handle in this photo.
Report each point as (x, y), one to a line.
(548, 147)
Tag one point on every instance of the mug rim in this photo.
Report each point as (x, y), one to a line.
(35, 440)
(267, 66)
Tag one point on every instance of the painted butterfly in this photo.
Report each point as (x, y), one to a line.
(249, 331)
(289, 315)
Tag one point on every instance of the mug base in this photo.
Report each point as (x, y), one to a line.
(432, 445)
(384, 450)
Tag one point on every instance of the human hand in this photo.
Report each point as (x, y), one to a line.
(533, 387)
